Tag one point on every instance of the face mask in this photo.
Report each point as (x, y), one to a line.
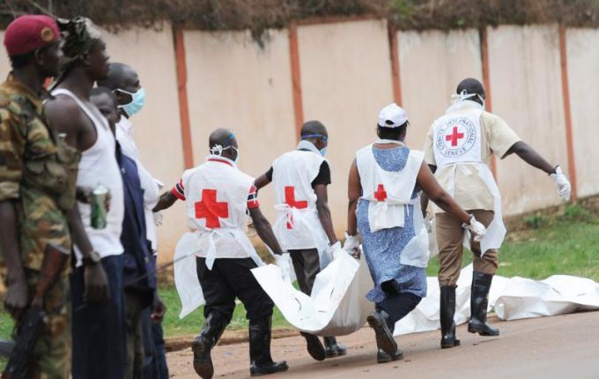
(138, 100)
(236, 155)
(482, 100)
(218, 150)
(323, 151)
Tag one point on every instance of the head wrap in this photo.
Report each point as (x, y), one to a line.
(79, 36)
(29, 33)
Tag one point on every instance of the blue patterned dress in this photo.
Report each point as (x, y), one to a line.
(383, 248)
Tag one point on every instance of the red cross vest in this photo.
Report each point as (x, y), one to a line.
(457, 138)
(387, 191)
(458, 143)
(216, 195)
(298, 225)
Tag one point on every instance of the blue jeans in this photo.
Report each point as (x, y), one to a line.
(98, 329)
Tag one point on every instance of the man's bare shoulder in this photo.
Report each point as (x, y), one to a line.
(64, 112)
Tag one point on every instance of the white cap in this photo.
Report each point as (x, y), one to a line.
(392, 116)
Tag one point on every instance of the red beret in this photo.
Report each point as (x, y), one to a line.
(28, 33)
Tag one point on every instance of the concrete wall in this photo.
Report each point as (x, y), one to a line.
(583, 72)
(346, 80)
(4, 63)
(236, 84)
(525, 75)
(431, 65)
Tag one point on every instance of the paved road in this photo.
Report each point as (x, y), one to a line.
(550, 347)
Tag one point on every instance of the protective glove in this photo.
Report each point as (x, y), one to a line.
(476, 228)
(284, 263)
(157, 218)
(428, 223)
(352, 245)
(335, 249)
(562, 183)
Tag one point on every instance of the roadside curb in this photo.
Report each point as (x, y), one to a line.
(229, 337)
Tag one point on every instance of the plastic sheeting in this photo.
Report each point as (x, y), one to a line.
(511, 299)
(337, 305)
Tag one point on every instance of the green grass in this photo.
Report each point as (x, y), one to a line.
(5, 333)
(191, 324)
(569, 248)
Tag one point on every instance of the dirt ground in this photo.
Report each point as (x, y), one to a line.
(550, 347)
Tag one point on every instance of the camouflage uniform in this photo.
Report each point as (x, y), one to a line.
(38, 172)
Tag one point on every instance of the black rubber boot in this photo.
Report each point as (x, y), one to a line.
(479, 300)
(447, 311)
(314, 346)
(261, 362)
(384, 338)
(332, 348)
(382, 357)
(202, 345)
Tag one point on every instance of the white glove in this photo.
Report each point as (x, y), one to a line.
(157, 218)
(284, 263)
(562, 183)
(335, 249)
(428, 223)
(352, 245)
(476, 228)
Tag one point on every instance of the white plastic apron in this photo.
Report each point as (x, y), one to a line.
(391, 213)
(496, 230)
(308, 222)
(186, 277)
(297, 228)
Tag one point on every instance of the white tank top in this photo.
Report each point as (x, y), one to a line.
(99, 166)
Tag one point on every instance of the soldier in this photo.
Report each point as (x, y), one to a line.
(37, 188)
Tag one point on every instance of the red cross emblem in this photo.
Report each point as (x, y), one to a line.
(380, 194)
(290, 200)
(211, 209)
(454, 137)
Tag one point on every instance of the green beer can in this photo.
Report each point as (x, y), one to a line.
(98, 205)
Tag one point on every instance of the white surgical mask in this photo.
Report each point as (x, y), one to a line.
(138, 99)
(218, 150)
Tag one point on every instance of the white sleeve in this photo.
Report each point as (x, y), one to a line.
(149, 185)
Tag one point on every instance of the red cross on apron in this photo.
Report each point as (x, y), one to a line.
(211, 209)
(290, 200)
(454, 137)
(380, 194)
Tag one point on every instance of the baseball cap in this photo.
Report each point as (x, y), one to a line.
(30, 32)
(392, 116)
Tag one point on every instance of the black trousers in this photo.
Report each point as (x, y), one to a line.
(306, 264)
(228, 279)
